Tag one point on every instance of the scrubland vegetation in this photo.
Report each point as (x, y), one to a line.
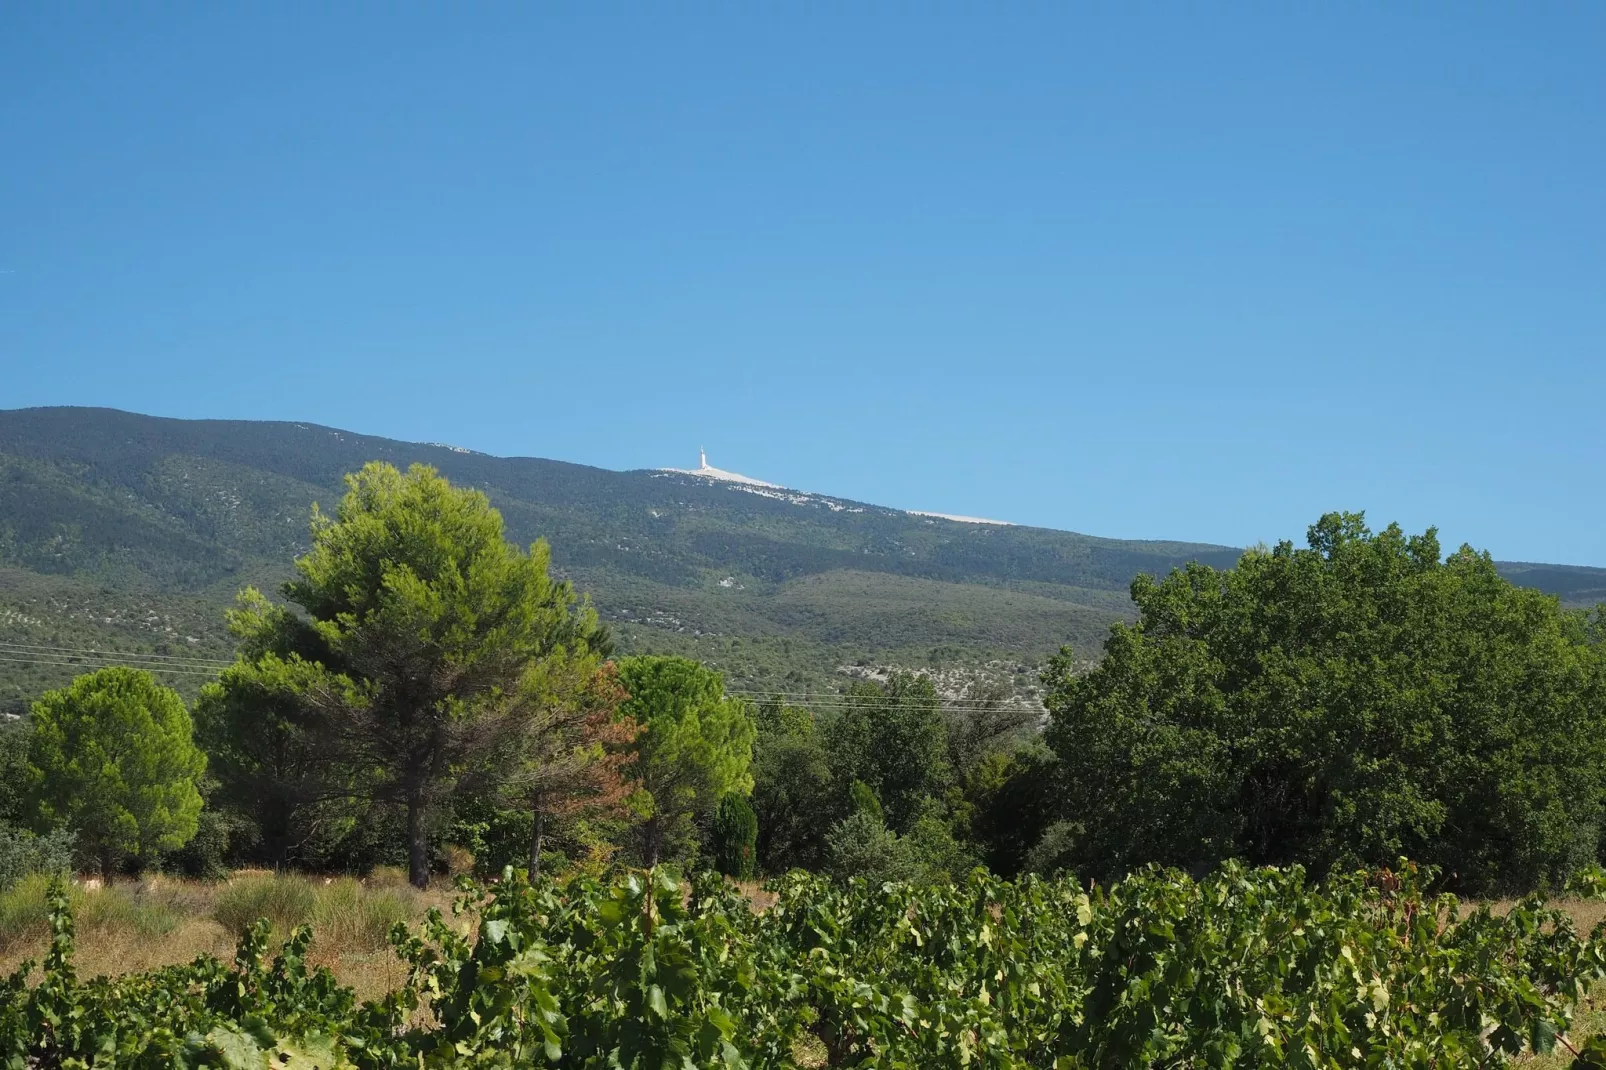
(159, 921)
(1206, 854)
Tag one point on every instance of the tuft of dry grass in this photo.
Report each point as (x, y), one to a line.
(350, 915)
(387, 877)
(139, 909)
(284, 900)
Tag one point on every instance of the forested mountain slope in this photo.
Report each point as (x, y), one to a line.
(133, 532)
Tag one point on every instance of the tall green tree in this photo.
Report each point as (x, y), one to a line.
(22, 852)
(267, 743)
(1013, 795)
(987, 722)
(795, 794)
(1351, 701)
(893, 737)
(695, 747)
(403, 669)
(112, 759)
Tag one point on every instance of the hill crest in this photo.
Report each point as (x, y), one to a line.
(109, 518)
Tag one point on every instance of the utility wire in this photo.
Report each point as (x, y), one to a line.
(104, 665)
(839, 699)
(807, 694)
(73, 659)
(31, 655)
(31, 648)
(821, 707)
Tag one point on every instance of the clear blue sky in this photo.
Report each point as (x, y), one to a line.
(1189, 271)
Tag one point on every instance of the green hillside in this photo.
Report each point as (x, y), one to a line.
(131, 532)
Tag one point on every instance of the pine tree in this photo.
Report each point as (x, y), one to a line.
(112, 759)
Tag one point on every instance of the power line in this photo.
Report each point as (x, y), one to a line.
(807, 694)
(33, 655)
(821, 707)
(817, 707)
(104, 665)
(843, 699)
(31, 648)
(96, 650)
(876, 700)
(70, 661)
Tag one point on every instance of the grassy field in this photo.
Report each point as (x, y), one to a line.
(160, 921)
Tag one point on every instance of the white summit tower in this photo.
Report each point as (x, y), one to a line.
(708, 471)
(704, 470)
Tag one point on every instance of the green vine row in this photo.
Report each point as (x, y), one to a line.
(1251, 968)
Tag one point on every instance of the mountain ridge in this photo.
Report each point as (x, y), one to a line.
(776, 586)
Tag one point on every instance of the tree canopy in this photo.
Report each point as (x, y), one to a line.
(795, 794)
(1352, 701)
(568, 755)
(895, 738)
(112, 759)
(695, 747)
(419, 622)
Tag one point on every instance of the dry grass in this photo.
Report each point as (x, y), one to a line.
(158, 921)
(1586, 913)
(1591, 1019)
(757, 897)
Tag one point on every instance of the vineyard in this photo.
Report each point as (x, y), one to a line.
(1243, 968)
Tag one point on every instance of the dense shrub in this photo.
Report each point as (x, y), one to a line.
(695, 748)
(112, 758)
(935, 853)
(893, 738)
(795, 793)
(22, 853)
(735, 837)
(1054, 851)
(496, 836)
(864, 801)
(862, 846)
(1015, 796)
(206, 856)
